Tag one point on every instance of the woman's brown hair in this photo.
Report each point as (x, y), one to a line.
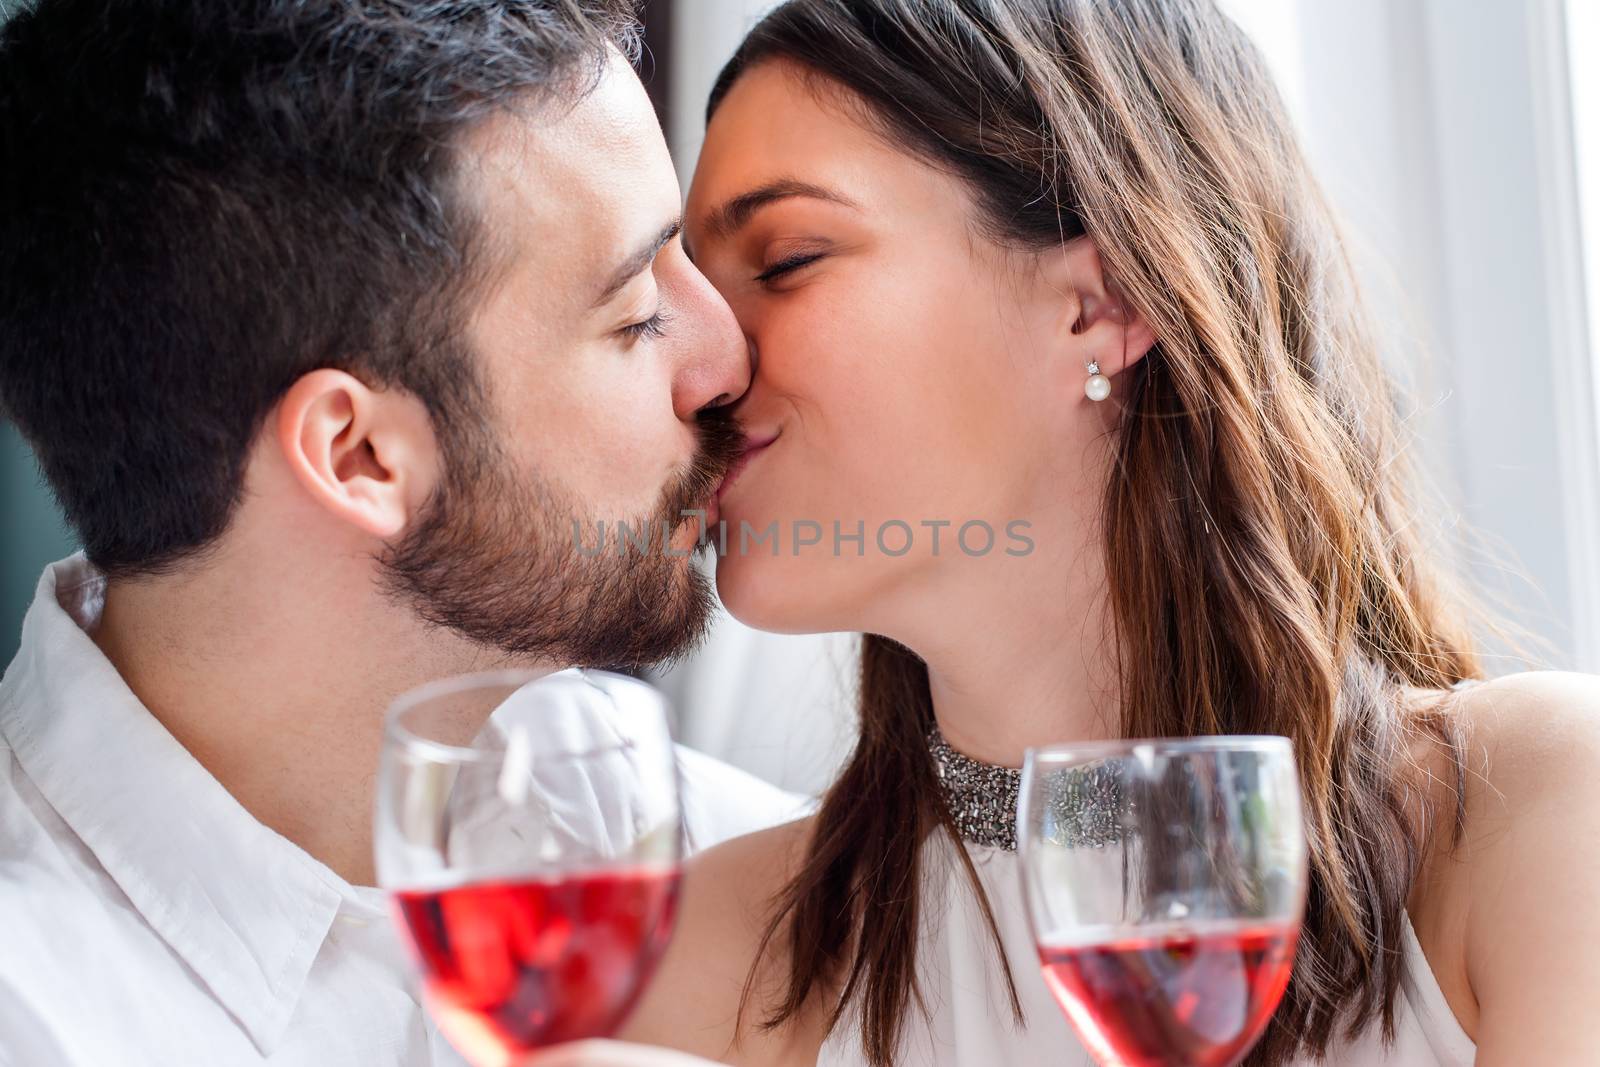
(1266, 572)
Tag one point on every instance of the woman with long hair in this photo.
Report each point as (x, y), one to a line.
(1059, 266)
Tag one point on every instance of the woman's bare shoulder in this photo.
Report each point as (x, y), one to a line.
(1519, 734)
(743, 866)
(1530, 742)
(729, 893)
(1532, 761)
(1513, 893)
(1522, 724)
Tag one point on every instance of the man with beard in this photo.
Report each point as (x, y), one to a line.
(328, 321)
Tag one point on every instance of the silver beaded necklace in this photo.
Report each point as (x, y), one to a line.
(982, 800)
(981, 797)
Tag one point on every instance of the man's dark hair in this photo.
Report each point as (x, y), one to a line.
(203, 200)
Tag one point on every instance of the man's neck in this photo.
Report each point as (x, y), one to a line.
(278, 684)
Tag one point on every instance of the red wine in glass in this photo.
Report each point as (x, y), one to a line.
(515, 966)
(529, 829)
(1199, 996)
(1165, 881)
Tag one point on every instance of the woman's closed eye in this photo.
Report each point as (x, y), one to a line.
(788, 265)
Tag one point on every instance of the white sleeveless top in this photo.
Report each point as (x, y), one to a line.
(969, 1021)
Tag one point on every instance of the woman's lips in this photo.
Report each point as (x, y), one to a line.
(754, 445)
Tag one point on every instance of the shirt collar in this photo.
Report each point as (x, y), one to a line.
(244, 907)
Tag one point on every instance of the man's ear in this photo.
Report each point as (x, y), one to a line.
(368, 457)
(1095, 324)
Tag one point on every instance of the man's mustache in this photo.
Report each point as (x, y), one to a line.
(721, 443)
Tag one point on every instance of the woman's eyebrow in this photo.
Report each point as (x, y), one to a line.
(736, 212)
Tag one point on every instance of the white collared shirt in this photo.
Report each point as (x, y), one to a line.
(147, 918)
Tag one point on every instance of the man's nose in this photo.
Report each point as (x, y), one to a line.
(715, 364)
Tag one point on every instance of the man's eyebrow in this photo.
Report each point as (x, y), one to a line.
(735, 213)
(637, 263)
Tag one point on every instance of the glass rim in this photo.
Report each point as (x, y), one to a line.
(511, 679)
(1060, 751)
(444, 879)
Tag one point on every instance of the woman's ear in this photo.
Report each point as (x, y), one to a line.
(1095, 325)
(368, 457)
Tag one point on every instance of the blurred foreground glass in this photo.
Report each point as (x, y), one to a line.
(1165, 882)
(529, 829)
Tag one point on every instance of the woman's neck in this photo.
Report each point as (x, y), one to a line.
(1011, 667)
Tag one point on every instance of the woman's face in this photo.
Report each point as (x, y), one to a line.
(907, 369)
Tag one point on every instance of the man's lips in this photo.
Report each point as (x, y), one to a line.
(752, 446)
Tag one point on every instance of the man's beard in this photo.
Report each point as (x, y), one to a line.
(494, 556)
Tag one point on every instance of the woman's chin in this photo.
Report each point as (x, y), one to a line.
(774, 594)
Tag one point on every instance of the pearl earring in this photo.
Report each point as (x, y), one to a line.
(1098, 387)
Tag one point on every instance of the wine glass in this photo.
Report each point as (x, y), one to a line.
(529, 829)
(1165, 882)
